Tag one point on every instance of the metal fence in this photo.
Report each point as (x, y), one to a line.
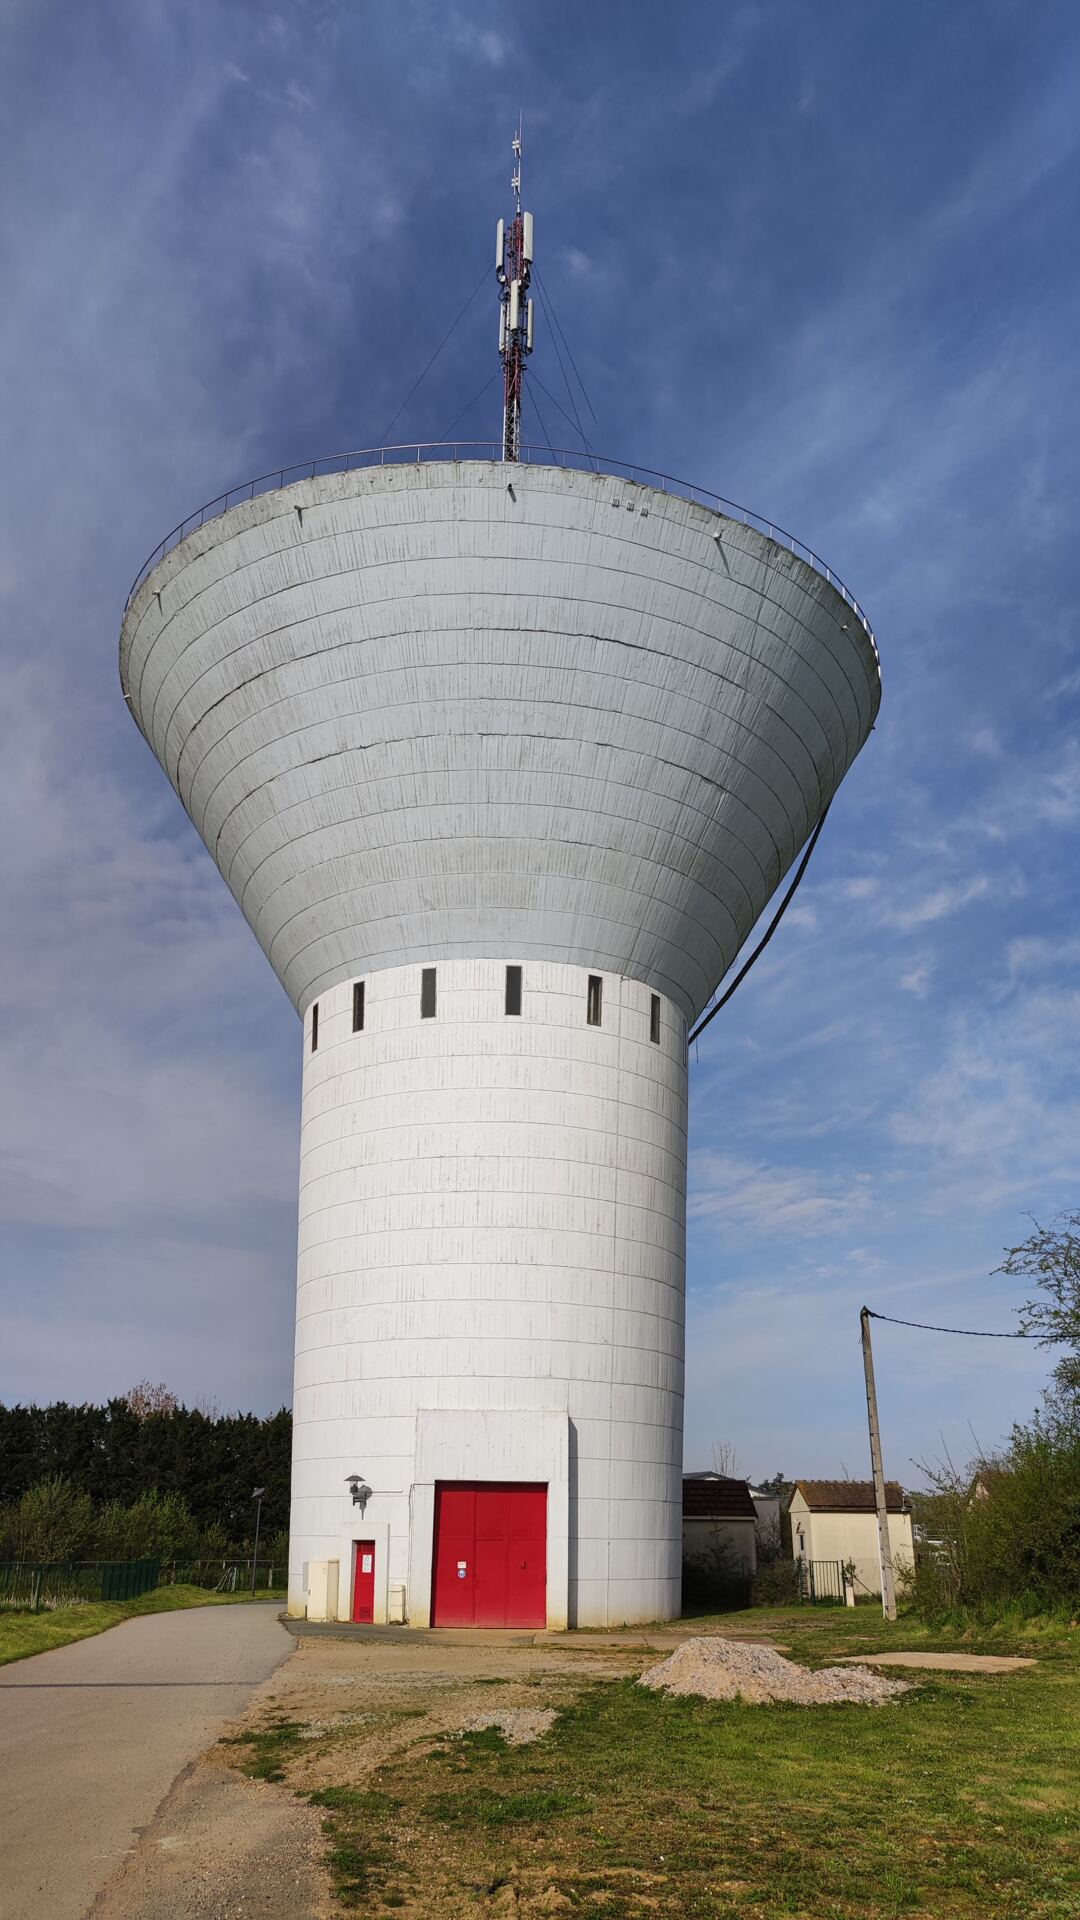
(35, 1588)
(426, 450)
(820, 1579)
(224, 1576)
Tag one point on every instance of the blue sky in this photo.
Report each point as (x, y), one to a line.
(819, 257)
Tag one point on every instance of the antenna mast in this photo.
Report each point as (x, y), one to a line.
(513, 265)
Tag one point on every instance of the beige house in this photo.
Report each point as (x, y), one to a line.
(719, 1523)
(836, 1521)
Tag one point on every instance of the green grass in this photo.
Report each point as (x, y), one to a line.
(495, 1807)
(958, 1801)
(361, 1844)
(22, 1634)
(268, 1748)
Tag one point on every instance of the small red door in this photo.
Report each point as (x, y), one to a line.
(490, 1554)
(363, 1593)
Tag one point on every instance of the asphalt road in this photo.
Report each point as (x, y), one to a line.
(93, 1735)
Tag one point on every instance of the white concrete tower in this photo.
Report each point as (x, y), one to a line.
(501, 763)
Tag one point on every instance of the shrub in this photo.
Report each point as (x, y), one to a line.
(1006, 1534)
(717, 1577)
(776, 1584)
(159, 1526)
(51, 1521)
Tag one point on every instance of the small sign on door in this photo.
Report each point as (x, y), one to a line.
(462, 1569)
(366, 1562)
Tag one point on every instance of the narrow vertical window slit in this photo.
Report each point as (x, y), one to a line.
(427, 993)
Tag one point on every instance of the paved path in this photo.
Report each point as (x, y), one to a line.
(93, 1735)
(659, 1639)
(946, 1662)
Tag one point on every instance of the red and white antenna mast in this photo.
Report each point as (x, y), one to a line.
(513, 265)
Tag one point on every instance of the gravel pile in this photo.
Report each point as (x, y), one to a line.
(735, 1670)
(518, 1725)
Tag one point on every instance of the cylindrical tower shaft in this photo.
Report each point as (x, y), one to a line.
(491, 1261)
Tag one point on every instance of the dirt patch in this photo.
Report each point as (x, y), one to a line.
(519, 1726)
(733, 1670)
(219, 1845)
(357, 1706)
(942, 1662)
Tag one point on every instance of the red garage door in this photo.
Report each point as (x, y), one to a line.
(490, 1559)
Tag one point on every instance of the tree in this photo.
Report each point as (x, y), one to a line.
(145, 1399)
(52, 1521)
(1051, 1257)
(725, 1460)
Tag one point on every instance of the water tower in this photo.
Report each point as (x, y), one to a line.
(501, 756)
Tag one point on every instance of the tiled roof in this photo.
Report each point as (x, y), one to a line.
(711, 1497)
(849, 1496)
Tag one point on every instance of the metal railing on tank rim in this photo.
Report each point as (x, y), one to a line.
(439, 450)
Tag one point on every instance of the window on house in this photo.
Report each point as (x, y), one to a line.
(358, 1006)
(427, 993)
(315, 1027)
(595, 1002)
(513, 989)
(654, 1020)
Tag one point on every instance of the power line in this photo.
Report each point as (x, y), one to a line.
(447, 431)
(536, 381)
(971, 1333)
(543, 429)
(558, 323)
(434, 357)
(771, 929)
(566, 379)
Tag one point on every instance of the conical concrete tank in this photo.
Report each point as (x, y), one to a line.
(438, 723)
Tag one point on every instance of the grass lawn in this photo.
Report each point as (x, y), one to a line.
(961, 1799)
(25, 1633)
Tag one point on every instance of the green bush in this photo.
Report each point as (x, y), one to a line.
(160, 1526)
(716, 1577)
(1006, 1534)
(50, 1521)
(776, 1584)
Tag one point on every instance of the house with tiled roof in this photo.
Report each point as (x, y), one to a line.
(835, 1521)
(719, 1519)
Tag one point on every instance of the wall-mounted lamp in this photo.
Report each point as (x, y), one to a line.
(361, 1492)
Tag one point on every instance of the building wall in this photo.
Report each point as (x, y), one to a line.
(769, 1519)
(492, 1219)
(851, 1536)
(737, 1537)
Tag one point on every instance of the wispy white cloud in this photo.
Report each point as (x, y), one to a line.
(938, 904)
(764, 1199)
(483, 43)
(986, 742)
(1043, 954)
(918, 979)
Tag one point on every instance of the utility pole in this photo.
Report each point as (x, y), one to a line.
(888, 1581)
(257, 1494)
(513, 266)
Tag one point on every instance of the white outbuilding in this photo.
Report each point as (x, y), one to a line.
(834, 1525)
